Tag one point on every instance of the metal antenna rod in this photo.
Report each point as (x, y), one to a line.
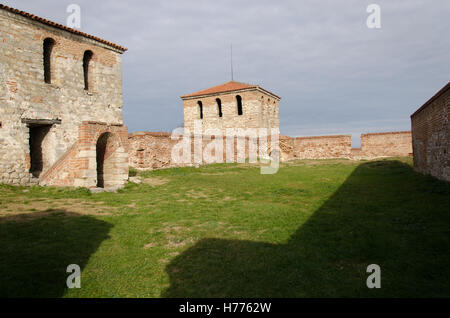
(232, 61)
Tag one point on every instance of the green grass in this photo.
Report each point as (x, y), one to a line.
(225, 230)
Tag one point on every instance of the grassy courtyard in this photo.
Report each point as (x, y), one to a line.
(310, 230)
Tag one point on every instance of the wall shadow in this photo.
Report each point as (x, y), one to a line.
(384, 213)
(37, 247)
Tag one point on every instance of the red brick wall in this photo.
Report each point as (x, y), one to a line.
(152, 150)
(431, 136)
(386, 144)
(322, 147)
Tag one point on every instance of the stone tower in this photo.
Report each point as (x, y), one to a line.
(232, 105)
(60, 105)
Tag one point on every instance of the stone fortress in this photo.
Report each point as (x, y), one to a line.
(232, 105)
(60, 105)
(61, 115)
(240, 105)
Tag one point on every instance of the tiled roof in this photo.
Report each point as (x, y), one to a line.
(432, 99)
(60, 26)
(227, 87)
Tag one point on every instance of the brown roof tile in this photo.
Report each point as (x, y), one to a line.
(60, 26)
(226, 87)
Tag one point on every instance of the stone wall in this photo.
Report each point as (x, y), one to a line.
(431, 136)
(322, 147)
(153, 150)
(386, 144)
(27, 101)
(259, 110)
(373, 145)
(150, 150)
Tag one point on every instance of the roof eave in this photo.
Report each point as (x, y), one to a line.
(116, 47)
(188, 97)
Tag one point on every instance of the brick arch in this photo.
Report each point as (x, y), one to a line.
(109, 155)
(78, 166)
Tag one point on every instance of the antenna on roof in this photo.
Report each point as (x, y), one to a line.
(231, 61)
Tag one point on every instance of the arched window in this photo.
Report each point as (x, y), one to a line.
(219, 106)
(200, 107)
(86, 60)
(48, 47)
(239, 104)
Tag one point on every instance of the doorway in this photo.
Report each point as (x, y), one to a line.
(39, 151)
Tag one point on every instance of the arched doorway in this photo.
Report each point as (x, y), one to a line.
(104, 147)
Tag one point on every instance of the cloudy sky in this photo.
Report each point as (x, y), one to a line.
(334, 74)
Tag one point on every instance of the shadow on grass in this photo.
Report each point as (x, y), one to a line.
(384, 214)
(36, 248)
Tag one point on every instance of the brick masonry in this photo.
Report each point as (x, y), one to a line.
(322, 147)
(260, 109)
(27, 102)
(97, 144)
(153, 150)
(431, 136)
(386, 144)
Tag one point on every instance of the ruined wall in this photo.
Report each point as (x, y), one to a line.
(386, 144)
(153, 150)
(431, 136)
(322, 147)
(259, 110)
(64, 103)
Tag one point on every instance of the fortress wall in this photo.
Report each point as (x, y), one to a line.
(386, 144)
(431, 136)
(153, 150)
(322, 147)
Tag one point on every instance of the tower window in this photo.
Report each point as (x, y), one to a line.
(239, 104)
(86, 60)
(219, 106)
(200, 108)
(48, 47)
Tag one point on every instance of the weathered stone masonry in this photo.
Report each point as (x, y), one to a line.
(218, 108)
(42, 123)
(431, 136)
(149, 150)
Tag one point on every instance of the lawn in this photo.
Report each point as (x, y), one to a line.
(225, 230)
